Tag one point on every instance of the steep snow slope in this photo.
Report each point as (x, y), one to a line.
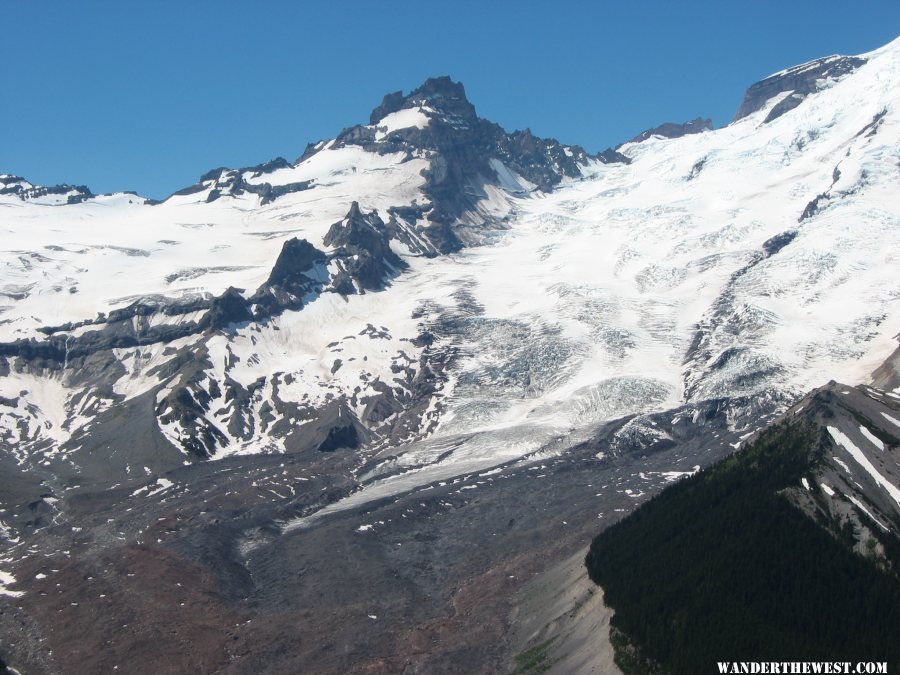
(538, 291)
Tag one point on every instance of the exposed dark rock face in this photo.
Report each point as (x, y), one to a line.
(57, 350)
(187, 405)
(269, 167)
(129, 326)
(785, 105)
(441, 93)
(142, 307)
(16, 185)
(779, 241)
(68, 326)
(363, 252)
(224, 181)
(309, 151)
(543, 162)
(400, 232)
(672, 130)
(298, 273)
(887, 375)
(270, 193)
(872, 127)
(822, 199)
(229, 308)
(183, 192)
(340, 437)
(812, 208)
(800, 80)
(460, 146)
(696, 169)
(213, 174)
(613, 156)
(297, 259)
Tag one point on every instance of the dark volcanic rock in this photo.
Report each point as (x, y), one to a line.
(142, 307)
(872, 127)
(16, 185)
(10, 184)
(440, 93)
(55, 351)
(801, 80)
(363, 251)
(812, 207)
(269, 193)
(213, 174)
(187, 405)
(672, 130)
(340, 437)
(779, 241)
(460, 146)
(269, 167)
(190, 190)
(297, 259)
(229, 308)
(225, 181)
(613, 156)
(298, 274)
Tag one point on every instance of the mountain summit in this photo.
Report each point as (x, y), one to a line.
(440, 94)
(466, 158)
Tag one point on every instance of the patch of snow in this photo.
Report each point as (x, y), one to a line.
(868, 513)
(893, 420)
(843, 465)
(7, 579)
(877, 442)
(402, 119)
(841, 439)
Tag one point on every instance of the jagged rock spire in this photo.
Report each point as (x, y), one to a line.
(440, 93)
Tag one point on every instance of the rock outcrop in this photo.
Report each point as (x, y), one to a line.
(800, 81)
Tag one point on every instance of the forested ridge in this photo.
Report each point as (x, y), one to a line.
(723, 567)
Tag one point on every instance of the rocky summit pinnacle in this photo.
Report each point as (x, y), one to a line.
(362, 251)
(463, 152)
(798, 83)
(674, 130)
(439, 93)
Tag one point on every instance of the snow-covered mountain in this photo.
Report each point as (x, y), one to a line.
(426, 297)
(430, 276)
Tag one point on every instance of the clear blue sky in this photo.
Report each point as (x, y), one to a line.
(147, 95)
